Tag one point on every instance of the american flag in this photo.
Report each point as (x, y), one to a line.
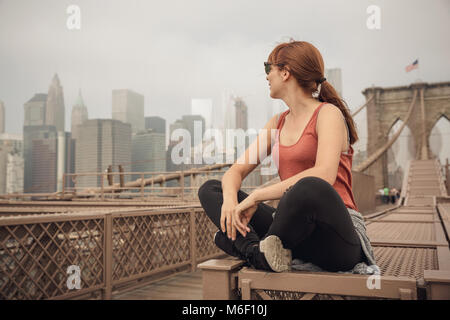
(412, 66)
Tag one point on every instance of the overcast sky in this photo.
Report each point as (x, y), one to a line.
(173, 51)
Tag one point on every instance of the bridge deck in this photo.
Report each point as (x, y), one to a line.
(183, 286)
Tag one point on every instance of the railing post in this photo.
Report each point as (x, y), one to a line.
(121, 178)
(191, 177)
(142, 186)
(152, 189)
(193, 242)
(101, 183)
(108, 257)
(63, 185)
(182, 185)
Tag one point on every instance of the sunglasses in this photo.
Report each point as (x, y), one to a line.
(268, 66)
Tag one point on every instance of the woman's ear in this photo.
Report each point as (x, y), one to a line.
(285, 74)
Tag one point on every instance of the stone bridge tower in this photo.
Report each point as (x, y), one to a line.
(390, 104)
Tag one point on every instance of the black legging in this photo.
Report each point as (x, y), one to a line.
(311, 219)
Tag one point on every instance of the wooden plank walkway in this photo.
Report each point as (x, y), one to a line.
(182, 286)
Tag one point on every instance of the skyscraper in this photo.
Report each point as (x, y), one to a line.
(193, 124)
(55, 105)
(47, 157)
(2, 117)
(241, 113)
(335, 78)
(157, 124)
(31, 133)
(79, 115)
(34, 110)
(102, 142)
(128, 107)
(178, 124)
(11, 163)
(44, 163)
(229, 110)
(148, 152)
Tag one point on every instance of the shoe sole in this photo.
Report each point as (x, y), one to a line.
(278, 258)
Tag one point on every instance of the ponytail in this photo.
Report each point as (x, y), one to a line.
(328, 94)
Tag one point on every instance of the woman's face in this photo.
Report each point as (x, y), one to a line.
(276, 83)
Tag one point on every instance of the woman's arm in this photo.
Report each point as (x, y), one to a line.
(331, 132)
(233, 177)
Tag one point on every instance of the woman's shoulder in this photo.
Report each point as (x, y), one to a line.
(328, 108)
(329, 112)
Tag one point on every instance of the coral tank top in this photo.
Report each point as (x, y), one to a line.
(300, 156)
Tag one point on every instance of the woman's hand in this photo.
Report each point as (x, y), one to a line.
(242, 215)
(226, 216)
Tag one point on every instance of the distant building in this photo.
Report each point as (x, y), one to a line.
(31, 133)
(79, 115)
(128, 107)
(229, 111)
(101, 143)
(241, 113)
(55, 113)
(34, 110)
(178, 124)
(195, 126)
(157, 124)
(148, 152)
(334, 77)
(48, 155)
(44, 163)
(66, 159)
(11, 163)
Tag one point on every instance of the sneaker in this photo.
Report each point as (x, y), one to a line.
(256, 258)
(226, 245)
(278, 258)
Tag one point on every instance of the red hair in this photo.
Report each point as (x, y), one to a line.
(305, 64)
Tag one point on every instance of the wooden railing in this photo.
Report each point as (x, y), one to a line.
(40, 255)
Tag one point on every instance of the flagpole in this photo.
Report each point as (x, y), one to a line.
(418, 71)
(420, 77)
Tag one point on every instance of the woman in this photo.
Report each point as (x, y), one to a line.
(314, 154)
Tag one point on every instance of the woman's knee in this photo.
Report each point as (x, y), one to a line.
(312, 183)
(307, 189)
(205, 189)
